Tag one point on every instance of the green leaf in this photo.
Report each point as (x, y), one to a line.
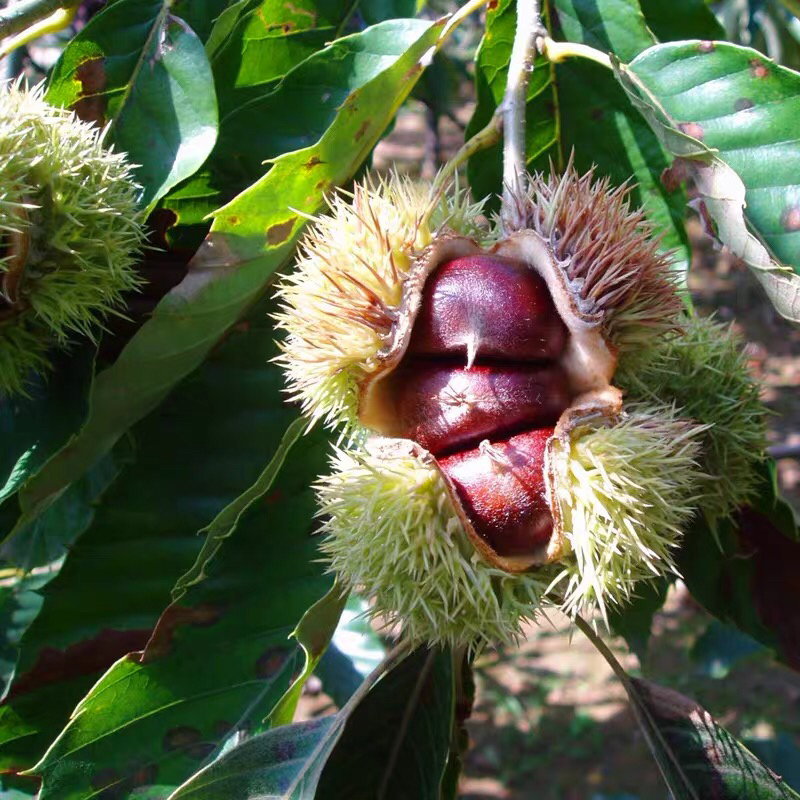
(728, 114)
(616, 26)
(203, 447)
(251, 237)
(317, 90)
(34, 427)
(399, 733)
(697, 757)
(144, 72)
(255, 42)
(313, 633)
(634, 621)
(681, 19)
(218, 659)
(396, 743)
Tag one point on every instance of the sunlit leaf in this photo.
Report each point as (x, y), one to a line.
(728, 115)
(142, 71)
(251, 237)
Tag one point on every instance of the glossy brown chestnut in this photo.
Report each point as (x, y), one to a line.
(502, 490)
(446, 407)
(493, 307)
(480, 387)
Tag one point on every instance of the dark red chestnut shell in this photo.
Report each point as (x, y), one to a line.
(480, 388)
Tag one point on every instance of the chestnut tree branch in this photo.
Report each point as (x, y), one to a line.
(484, 138)
(520, 67)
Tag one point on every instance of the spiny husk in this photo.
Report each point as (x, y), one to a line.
(625, 492)
(71, 228)
(622, 484)
(342, 299)
(704, 372)
(392, 531)
(612, 258)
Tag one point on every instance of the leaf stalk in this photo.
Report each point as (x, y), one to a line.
(556, 52)
(33, 18)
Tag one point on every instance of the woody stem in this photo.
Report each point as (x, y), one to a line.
(529, 26)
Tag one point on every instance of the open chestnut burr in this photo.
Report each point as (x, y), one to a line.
(491, 465)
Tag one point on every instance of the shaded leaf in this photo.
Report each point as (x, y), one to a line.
(200, 15)
(218, 659)
(288, 761)
(47, 538)
(748, 583)
(681, 19)
(749, 118)
(720, 647)
(251, 237)
(144, 72)
(634, 621)
(375, 11)
(201, 449)
(313, 633)
(34, 427)
(224, 524)
(397, 741)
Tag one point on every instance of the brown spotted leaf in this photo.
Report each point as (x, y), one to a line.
(218, 660)
(697, 758)
(394, 744)
(729, 117)
(203, 451)
(143, 72)
(251, 237)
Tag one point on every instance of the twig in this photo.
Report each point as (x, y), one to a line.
(25, 13)
(784, 451)
(556, 52)
(52, 23)
(458, 17)
(520, 67)
(484, 138)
